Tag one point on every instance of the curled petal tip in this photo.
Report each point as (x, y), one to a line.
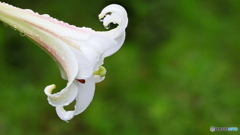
(64, 115)
(62, 98)
(48, 90)
(114, 14)
(111, 9)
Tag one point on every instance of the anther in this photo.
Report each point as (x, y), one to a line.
(81, 81)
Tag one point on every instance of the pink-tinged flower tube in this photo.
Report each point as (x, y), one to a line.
(79, 52)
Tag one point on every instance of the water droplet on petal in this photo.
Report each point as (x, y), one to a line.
(14, 27)
(29, 10)
(22, 34)
(45, 15)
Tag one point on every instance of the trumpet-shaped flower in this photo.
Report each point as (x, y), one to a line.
(79, 52)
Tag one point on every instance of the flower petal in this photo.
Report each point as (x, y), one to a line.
(96, 47)
(85, 69)
(67, 61)
(90, 53)
(64, 115)
(85, 95)
(84, 98)
(43, 31)
(98, 78)
(62, 98)
(117, 15)
(39, 29)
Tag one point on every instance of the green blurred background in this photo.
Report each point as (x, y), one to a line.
(177, 72)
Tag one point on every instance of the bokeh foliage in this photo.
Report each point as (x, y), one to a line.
(177, 73)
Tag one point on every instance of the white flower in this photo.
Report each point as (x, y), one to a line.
(79, 52)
